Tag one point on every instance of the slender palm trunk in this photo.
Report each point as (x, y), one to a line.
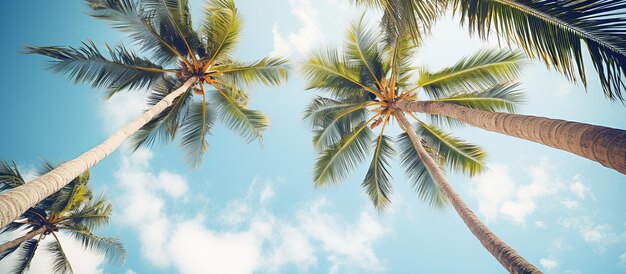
(507, 256)
(20, 240)
(17, 200)
(604, 145)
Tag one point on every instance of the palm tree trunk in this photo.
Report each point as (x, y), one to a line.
(604, 145)
(17, 200)
(507, 256)
(20, 240)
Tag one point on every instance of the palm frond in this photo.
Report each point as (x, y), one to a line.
(60, 263)
(333, 124)
(7, 252)
(197, 124)
(25, 256)
(377, 182)
(10, 176)
(73, 196)
(172, 19)
(222, 26)
(245, 122)
(334, 164)
(500, 97)
(92, 215)
(125, 70)
(326, 70)
(478, 71)
(112, 249)
(269, 71)
(458, 154)
(552, 31)
(362, 47)
(415, 170)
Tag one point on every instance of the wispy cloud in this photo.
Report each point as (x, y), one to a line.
(305, 37)
(548, 264)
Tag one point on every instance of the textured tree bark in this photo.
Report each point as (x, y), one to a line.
(604, 145)
(20, 240)
(507, 256)
(17, 200)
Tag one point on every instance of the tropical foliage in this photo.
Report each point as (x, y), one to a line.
(74, 211)
(177, 53)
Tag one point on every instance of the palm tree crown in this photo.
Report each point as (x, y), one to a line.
(367, 80)
(179, 53)
(73, 210)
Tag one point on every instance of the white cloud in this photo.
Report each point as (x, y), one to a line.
(245, 237)
(578, 188)
(599, 236)
(121, 109)
(622, 260)
(548, 264)
(305, 37)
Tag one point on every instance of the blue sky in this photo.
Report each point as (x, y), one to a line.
(255, 209)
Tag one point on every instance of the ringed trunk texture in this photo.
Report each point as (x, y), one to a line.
(507, 256)
(604, 145)
(16, 201)
(20, 240)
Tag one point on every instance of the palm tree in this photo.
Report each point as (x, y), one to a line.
(73, 210)
(366, 84)
(547, 30)
(193, 73)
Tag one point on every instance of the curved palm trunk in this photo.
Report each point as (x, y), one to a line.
(507, 256)
(20, 240)
(604, 145)
(17, 200)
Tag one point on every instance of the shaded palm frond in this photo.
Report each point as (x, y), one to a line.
(111, 248)
(377, 182)
(334, 164)
(125, 70)
(26, 254)
(553, 31)
(10, 176)
(8, 251)
(481, 70)
(332, 125)
(172, 19)
(362, 48)
(222, 26)
(415, 170)
(245, 122)
(458, 154)
(397, 59)
(197, 124)
(60, 263)
(269, 71)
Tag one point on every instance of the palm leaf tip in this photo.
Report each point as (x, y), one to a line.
(377, 182)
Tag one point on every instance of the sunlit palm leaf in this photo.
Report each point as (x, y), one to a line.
(416, 171)
(398, 55)
(69, 198)
(111, 248)
(60, 263)
(481, 70)
(93, 215)
(124, 70)
(26, 254)
(362, 48)
(552, 32)
(377, 182)
(222, 27)
(328, 71)
(197, 124)
(458, 154)
(334, 164)
(269, 71)
(247, 123)
(334, 124)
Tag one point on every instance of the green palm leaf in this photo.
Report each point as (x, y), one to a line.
(10, 176)
(416, 171)
(173, 21)
(481, 70)
(222, 27)
(334, 124)
(247, 123)
(60, 263)
(328, 71)
(125, 70)
(269, 71)
(26, 254)
(377, 182)
(197, 124)
(362, 48)
(458, 154)
(552, 31)
(111, 248)
(92, 216)
(71, 196)
(333, 164)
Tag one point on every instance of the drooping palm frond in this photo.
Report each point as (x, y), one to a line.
(111, 248)
(60, 263)
(196, 126)
(222, 25)
(416, 172)
(553, 31)
(10, 176)
(133, 18)
(92, 215)
(458, 154)
(245, 122)
(478, 71)
(328, 71)
(26, 254)
(334, 164)
(269, 71)
(331, 120)
(172, 20)
(124, 70)
(377, 182)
